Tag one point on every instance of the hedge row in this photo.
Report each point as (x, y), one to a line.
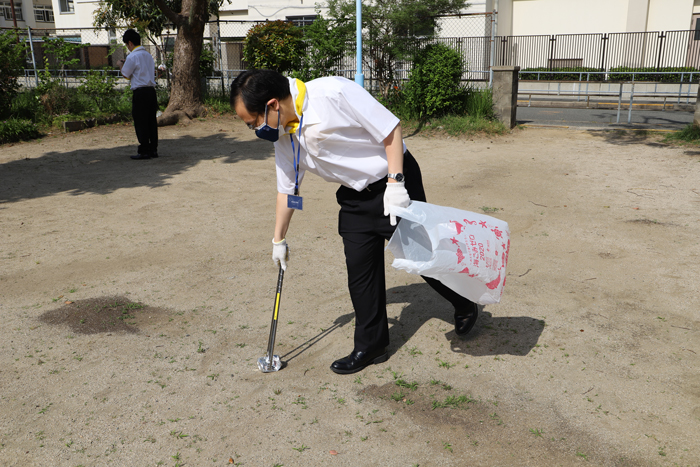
(622, 73)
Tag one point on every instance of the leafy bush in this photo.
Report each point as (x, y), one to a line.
(99, 85)
(14, 129)
(276, 45)
(562, 74)
(623, 73)
(11, 67)
(434, 86)
(325, 45)
(27, 106)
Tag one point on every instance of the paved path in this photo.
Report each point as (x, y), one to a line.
(602, 118)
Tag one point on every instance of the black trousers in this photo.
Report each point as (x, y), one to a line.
(144, 106)
(365, 229)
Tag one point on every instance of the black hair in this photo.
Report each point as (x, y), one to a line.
(256, 87)
(131, 36)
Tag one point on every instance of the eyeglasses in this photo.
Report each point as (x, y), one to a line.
(256, 128)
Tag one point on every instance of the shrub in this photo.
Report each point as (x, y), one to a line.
(276, 45)
(27, 106)
(623, 73)
(434, 88)
(99, 86)
(14, 129)
(11, 66)
(563, 74)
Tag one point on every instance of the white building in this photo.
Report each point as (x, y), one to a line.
(28, 13)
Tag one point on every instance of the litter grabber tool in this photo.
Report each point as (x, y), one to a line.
(272, 362)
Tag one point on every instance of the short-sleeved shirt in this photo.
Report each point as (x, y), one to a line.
(139, 67)
(342, 135)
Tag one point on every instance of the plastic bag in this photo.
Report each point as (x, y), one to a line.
(466, 251)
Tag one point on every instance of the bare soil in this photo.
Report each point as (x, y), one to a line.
(136, 298)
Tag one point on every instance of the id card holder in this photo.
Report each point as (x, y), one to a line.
(295, 202)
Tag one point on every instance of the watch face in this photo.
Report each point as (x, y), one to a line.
(398, 177)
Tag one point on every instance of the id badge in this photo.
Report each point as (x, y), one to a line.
(295, 202)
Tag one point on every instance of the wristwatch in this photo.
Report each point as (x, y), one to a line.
(398, 177)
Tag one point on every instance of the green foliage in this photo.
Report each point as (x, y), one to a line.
(394, 30)
(63, 52)
(620, 73)
(623, 73)
(99, 85)
(434, 87)
(11, 67)
(27, 106)
(563, 74)
(275, 45)
(479, 103)
(689, 134)
(324, 42)
(17, 130)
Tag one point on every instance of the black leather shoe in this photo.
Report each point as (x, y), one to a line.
(140, 157)
(466, 319)
(358, 361)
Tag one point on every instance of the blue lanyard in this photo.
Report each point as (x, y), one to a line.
(297, 156)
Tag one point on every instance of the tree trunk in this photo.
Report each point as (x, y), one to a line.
(185, 91)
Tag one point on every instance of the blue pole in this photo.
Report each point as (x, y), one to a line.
(359, 76)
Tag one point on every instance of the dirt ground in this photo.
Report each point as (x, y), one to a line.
(136, 297)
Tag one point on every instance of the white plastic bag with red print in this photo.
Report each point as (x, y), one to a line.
(466, 251)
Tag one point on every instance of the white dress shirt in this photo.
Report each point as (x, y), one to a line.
(139, 67)
(342, 135)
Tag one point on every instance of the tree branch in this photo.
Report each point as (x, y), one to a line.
(170, 14)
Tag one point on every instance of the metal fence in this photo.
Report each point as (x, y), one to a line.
(641, 51)
(616, 56)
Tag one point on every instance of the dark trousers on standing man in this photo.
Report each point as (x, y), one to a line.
(144, 106)
(364, 229)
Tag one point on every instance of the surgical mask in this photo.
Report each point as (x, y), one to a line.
(266, 132)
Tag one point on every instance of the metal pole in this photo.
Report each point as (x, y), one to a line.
(14, 15)
(359, 76)
(629, 114)
(619, 104)
(221, 59)
(492, 58)
(31, 46)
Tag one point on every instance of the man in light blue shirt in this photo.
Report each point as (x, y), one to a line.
(139, 68)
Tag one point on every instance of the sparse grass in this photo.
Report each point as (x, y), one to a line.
(404, 384)
(455, 402)
(455, 125)
(689, 134)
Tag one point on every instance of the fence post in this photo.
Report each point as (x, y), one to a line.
(221, 58)
(552, 40)
(492, 52)
(505, 93)
(696, 116)
(31, 47)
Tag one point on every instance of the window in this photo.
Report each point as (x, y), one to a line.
(301, 21)
(66, 6)
(697, 28)
(7, 10)
(43, 13)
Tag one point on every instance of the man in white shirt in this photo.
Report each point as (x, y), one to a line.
(334, 128)
(139, 68)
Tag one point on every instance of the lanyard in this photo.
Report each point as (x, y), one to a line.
(297, 156)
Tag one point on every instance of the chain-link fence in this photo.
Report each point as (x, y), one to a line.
(101, 49)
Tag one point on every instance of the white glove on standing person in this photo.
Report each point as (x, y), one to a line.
(395, 195)
(280, 253)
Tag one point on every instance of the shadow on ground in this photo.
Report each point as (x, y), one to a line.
(627, 137)
(105, 170)
(490, 336)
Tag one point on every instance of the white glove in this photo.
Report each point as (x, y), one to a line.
(395, 195)
(280, 253)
